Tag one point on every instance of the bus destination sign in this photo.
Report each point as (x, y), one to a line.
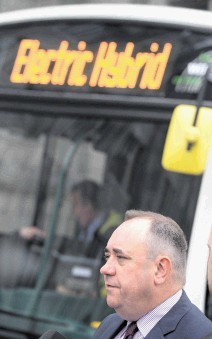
(107, 67)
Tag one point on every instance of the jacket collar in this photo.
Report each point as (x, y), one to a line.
(170, 321)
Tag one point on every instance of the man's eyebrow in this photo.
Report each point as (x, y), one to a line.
(116, 251)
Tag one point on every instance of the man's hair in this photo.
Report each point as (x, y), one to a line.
(164, 236)
(89, 192)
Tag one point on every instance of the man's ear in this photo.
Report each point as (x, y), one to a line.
(163, 268)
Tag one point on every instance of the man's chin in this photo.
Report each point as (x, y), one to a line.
(112, 303)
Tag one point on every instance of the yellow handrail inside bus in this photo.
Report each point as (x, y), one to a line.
(177, 156)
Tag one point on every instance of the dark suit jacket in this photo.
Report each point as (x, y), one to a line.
(183, 321)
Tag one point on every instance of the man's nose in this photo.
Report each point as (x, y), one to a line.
(108, 268)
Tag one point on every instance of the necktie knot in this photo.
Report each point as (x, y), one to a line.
(131, 330)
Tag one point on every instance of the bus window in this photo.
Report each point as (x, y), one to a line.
(86, 96)
(65, 263)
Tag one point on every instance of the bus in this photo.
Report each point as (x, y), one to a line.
(87, 94)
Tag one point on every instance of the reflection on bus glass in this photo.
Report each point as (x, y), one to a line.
(191, 79)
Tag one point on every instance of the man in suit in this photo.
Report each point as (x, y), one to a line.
(144, 276)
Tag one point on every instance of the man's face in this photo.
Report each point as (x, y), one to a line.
(83, 211)
(128, 273)
(210, 263)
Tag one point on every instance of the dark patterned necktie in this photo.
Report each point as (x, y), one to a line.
(131, 330)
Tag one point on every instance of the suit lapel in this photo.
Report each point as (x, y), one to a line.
(117, 329)
(112, 329)
(155, 333)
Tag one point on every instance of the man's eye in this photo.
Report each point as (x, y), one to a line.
(106, 257)
(121, 257)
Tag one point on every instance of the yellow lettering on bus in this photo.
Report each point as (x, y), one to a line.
(121, 70)
(135, 69)
(36, 70)
(106, 78)
(99, 62)
(39, 70)
(27, 49)
(110, 68)
(77, 76)
(155, 67)
(59, 70)
(125, 64)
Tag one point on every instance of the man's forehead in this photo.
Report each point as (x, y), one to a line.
(129, 233)
(134, 226)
